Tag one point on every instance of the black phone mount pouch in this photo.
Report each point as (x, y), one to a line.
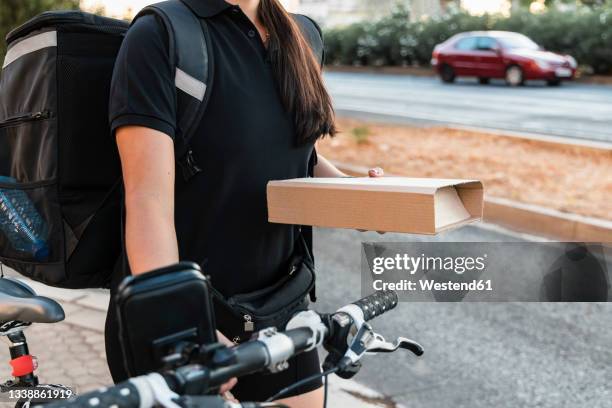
(161, 309)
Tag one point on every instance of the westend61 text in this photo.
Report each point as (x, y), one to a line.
(429, 285)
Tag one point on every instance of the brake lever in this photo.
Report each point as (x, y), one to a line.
(380, 345)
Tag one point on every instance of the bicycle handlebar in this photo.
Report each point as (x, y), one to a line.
(268, 349)
(138, 392)
(123, 395)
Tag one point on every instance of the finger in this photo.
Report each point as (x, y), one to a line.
(228, 386)
(228, 396)
(376, 172)
(224, 340)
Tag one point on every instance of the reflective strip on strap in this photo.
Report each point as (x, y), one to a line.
(190, 85)
(34, 43)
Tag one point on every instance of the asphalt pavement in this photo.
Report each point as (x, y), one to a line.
(477, 354)
(573, 110)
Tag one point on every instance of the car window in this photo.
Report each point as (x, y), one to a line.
(467, 44)
(486, 43)
(518, 41)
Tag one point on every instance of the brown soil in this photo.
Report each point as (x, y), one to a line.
(572, 179)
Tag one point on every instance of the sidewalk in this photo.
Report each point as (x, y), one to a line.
(72, 352)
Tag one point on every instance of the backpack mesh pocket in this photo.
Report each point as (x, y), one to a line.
(29, 231)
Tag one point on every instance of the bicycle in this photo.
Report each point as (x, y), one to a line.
(201, 369)
(20, 306)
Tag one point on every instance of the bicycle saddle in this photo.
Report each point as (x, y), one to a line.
(18, 302)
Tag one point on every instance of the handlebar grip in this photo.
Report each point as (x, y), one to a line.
(377, 303)
(124, 395)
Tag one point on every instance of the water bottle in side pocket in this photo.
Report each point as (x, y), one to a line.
(21, 223)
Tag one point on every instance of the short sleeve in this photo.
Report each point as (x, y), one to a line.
(142, 89)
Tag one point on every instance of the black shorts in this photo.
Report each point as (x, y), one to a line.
(254, 387)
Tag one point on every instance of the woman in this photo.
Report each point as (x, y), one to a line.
(267, 108)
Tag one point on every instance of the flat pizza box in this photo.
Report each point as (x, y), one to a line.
(390, 204)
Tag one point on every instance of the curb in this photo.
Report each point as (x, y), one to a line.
(385, 70)
(430, 72)
(529, 218)
(546, 221)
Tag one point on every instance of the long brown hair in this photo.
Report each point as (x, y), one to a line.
(298, 74)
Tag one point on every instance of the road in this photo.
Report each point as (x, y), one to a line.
(478, 355)
(572, 110)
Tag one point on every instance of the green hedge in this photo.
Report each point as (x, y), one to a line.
(585, 34)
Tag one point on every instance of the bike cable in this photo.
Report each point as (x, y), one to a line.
(325, 378)
(292, 387)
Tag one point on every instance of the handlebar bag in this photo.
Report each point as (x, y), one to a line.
(239, 316)
(161, 309)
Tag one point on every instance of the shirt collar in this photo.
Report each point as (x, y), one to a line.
(207, 8)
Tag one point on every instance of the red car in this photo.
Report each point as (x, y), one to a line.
(500, 54)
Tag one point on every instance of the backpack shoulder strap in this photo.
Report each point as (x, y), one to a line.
(189, 45)
(313, 34)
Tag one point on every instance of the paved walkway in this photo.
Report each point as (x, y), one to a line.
(72, 352)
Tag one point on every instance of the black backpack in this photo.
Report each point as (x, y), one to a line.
(60, 176)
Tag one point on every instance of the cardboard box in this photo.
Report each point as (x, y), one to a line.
(391, 204)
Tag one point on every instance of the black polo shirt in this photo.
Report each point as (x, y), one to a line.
(245, 139)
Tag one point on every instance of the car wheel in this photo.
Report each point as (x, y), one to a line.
(447, 74)
(484, 81)
(515, 76)
(553, 82)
